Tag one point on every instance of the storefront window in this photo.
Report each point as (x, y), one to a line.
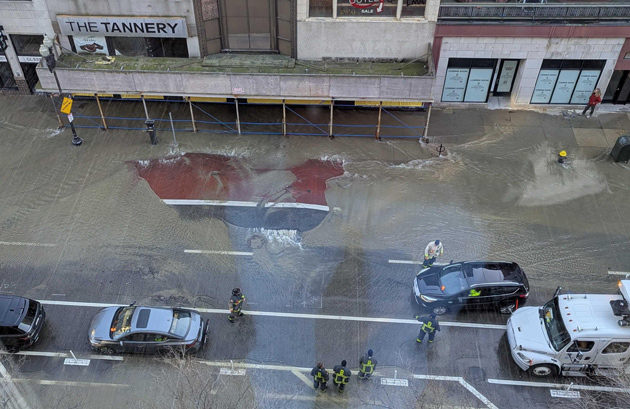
(468, 80)
(413, 8)
(320, 8)
(366, 8)
(26, 45)
(149, 47)
(566, 81)
(6, 76)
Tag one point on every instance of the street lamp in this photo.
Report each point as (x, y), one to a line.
(47, 52)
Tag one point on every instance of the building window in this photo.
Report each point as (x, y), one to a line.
(27, 45)
(148, 47)
(320, 8)
(566, 81)
(468, 80)
(413, 8)
(6, 75)
(626, 56)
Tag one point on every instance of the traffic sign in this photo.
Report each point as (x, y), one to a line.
(66, 105)
(70, 117)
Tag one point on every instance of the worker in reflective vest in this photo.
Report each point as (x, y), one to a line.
(367, 365)
(430, 324)
(236, 304)
(320, 377)
(341, 375)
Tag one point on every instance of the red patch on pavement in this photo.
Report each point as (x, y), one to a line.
(197, 176)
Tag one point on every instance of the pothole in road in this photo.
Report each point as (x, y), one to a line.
(475, 374)
(256, 241)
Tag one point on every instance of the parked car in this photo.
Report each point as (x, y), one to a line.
(147, 330)
(21, 321)
(496, 284)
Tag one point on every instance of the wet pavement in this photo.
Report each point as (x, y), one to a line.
(316, 232)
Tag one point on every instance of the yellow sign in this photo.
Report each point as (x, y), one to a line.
(66, 105)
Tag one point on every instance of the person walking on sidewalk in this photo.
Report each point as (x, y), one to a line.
(236, 304)
(341, 375)
(596, 98)
(367, 363)
(430, 324)
(320, 377)
(433, 250)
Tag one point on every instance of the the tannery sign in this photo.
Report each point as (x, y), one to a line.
(123, 26)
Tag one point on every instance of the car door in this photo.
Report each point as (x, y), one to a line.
(134, 343)
(615, 353)
(579, 352)
(157, 343)
(475, 296)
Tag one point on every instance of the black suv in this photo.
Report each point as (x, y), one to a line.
(496, 284)
(21, 321)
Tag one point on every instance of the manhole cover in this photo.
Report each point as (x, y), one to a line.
(256, 241)
(475, 374)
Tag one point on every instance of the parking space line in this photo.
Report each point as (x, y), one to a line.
(462, 382)
(237, 203)
(63, 355)
(19, 243)
(233, 253)
(70, 383)
(303, 377)
(297, 315)
(619, 273)
(557, 385)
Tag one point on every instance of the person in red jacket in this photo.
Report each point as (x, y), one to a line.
(596, 98)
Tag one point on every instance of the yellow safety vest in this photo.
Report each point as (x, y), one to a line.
(340, 377)
(320, 376)
(475, 293)
(429, 327)
(368, 367)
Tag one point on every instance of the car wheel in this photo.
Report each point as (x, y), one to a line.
(441, 310)
(543, 370)
(106, 351)
(205, 335)
(508, 308)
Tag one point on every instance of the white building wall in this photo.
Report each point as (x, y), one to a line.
(531, 52)
(368, 37)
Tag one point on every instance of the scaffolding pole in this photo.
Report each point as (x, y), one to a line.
(426, 125)
(100, 109)
(377, 135)
(146, 111)
(284, 118)
(192, 115)
(52, 99)
(330, 125)
(238, 118)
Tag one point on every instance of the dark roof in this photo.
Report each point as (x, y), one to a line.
(12, 310)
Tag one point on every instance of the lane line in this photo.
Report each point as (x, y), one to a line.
(233, 253)
(296, 315)
(619, 273)
(71, 383)
(63, 355)
(413, 262)
(19, 243)
(238, 203)
(303, 377)
(558, 385)
(462, 382)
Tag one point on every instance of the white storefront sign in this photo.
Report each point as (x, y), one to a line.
(455, 84)
(90, 44)
(544, 86)
(585, 86)
(165, 27)
(23, 58)
(478, 84)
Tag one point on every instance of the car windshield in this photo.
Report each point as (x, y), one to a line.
(453, 281)
(29, 318)
(121, 323)
(181, 323)
(556, 331)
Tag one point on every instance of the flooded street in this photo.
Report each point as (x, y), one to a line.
(324, 237)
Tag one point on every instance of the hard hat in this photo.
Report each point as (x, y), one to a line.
(563, 153)
(370, 353)
(437, 242)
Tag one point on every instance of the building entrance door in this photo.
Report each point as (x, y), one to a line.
(505, 78)
(248, 25)
(618, 91)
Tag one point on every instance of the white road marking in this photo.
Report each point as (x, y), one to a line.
(70, 383)
(233, 253)
(558, 385)
(462, 382)
(303, 377)
(19, 243)
(557, 393)
(63, 355)
(619, 273)
(228, 371)
(237, 203)
(413, 262)
(295, 315)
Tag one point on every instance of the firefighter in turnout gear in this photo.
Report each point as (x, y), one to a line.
(236, 304)
(367, 365)
(430, 324)
(341, 375)
(320, 377)
(433, 250)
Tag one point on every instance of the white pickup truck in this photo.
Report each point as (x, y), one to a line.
(573, 334)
